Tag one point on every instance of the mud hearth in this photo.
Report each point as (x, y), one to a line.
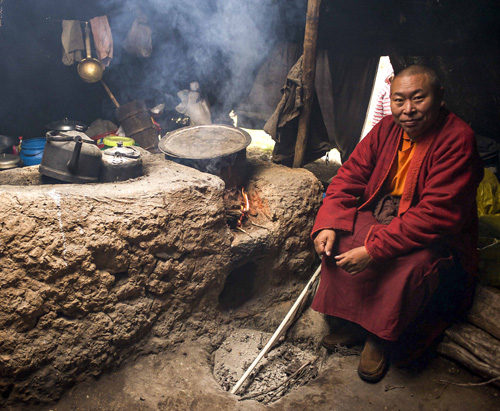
(95, 273)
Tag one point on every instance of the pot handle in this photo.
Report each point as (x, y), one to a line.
(73, 162)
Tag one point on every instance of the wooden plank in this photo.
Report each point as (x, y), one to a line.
(308, 74)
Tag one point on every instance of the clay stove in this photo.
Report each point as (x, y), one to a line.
(94, 273)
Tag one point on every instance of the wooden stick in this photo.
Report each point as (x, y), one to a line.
(258, 225)
(470, 384)
(277, 333)
(308, 73)
(110, 94)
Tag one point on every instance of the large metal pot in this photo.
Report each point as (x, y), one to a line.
(120, 163)
(214, 149)
(71, 156)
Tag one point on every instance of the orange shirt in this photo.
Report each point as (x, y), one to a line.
(399, 170)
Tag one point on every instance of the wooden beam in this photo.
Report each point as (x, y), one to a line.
(308, 73)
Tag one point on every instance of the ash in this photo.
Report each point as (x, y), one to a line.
(284, 368)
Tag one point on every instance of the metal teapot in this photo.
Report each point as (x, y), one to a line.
(120, 163)
(71, 156)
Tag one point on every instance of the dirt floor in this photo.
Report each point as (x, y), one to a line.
(182, 379)
(198, 373)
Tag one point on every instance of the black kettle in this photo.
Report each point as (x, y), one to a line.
(71, 156)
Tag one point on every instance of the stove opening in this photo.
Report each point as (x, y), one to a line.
(239, 286)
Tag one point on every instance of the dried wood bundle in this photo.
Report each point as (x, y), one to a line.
(485, 311)
(478, 342)
(457, 353)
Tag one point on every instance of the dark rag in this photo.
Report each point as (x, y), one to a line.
(386, 209)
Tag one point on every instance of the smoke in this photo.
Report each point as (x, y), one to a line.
(219, 43)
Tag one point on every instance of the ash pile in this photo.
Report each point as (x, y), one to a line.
(283, 369)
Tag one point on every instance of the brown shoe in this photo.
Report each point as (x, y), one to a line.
(348, 336)
(374, 361)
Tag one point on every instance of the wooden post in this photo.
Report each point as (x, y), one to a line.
(308, 73)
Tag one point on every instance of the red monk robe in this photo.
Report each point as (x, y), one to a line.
(436, 226)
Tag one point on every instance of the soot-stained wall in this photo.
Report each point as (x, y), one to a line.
(221, 44)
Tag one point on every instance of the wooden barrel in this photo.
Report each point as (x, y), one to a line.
(137, 123)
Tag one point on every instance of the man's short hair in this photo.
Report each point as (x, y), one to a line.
(416, 69)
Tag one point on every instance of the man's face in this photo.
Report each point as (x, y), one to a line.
(414, 105)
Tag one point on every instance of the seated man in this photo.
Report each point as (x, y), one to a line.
(398, 226)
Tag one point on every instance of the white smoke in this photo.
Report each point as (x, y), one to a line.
(219, 43)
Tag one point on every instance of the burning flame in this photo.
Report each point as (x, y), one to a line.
(244, 208)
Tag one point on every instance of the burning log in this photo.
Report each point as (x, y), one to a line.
(236, 213)
(244, 207)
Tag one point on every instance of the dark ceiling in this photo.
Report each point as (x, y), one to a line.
(221, 44)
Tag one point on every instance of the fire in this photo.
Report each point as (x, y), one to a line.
(244, 207)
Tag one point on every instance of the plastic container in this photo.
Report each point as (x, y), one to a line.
(32, 150)
(112, 141)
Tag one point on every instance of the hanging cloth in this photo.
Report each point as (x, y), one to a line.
(103, 40)
(283, 123)
(72, 42)
(139, 41)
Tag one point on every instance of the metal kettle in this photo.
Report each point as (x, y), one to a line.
(120, 163)
(71, 156)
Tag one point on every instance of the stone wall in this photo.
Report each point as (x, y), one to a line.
(92, 273)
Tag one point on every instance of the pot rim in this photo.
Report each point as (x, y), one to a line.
(174, 144)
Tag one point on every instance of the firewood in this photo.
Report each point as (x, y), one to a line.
(478, 342)
(485, 311)
(459, 354)
(233, 214)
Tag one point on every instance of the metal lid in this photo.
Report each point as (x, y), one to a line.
(8, 161)
(113, 141)
(203, 142)
(121, 154)
(66, 125)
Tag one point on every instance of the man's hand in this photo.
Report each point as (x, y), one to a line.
(354, 261)
(323, 243)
